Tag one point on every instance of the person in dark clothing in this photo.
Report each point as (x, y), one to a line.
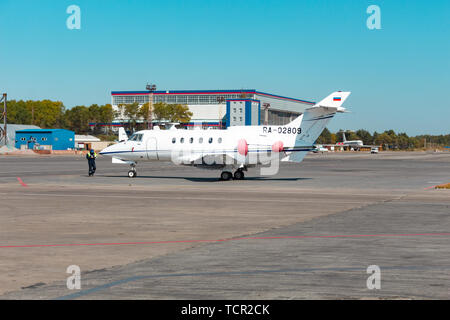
(91, 156)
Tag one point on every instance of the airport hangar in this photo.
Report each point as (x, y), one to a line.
(219, 108)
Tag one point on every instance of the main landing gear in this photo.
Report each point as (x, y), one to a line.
(239, 175)
(227, 175)
(132, 173)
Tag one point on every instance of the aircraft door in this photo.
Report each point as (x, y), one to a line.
(152, 149)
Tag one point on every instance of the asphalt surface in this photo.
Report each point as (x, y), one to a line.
(309, 232)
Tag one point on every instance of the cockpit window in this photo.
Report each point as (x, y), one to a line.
(136, 137)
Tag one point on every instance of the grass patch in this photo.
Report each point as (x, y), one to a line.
(443, 186)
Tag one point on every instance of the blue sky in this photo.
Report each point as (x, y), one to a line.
(399, 76)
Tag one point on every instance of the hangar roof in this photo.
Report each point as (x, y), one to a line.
(206, 92)
(42, 130)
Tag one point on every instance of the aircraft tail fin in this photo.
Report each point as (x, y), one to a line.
(344, 137)
(317, 117)
(313, 121)
(122, 135)
(334, 100)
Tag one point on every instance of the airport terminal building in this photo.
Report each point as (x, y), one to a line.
(220, 108)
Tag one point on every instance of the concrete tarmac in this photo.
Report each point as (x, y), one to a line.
(311, 231)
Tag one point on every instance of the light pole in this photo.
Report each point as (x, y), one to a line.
(151, 88)
(266, 107)
(4, 131)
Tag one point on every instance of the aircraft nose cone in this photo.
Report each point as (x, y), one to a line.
(105, 151)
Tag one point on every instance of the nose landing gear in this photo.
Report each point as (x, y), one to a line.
(132, 173)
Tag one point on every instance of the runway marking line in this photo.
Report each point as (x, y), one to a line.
(191, 198)
(225, 240)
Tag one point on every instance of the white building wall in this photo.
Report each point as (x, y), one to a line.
(205, 113)
(208, 112)
(237, 113)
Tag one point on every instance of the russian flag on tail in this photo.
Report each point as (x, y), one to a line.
(336, 98)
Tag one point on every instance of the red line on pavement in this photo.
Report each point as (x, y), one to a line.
(21, 182)
(230, 239)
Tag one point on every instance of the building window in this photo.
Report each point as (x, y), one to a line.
(174, 140)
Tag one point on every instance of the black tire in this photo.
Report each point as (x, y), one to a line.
(226, 175)
(132, 174)
(239, 175)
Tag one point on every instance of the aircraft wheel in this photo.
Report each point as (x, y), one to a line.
(239, 175)
(132, 174)
(226, 175)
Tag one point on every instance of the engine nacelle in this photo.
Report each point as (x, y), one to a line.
(242, 147)
(277, 146)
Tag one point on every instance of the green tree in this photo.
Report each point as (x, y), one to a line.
(19, 112)
(107, 115)
(161, 111)
(365, 136)
(325, 137)
(47, 113)
(172, 112)
(131, 112)
(179, 113)
(77, 119)
(145, 111)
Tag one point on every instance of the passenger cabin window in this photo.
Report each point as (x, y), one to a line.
(200, 140)
(219, 140)
(136, 137)
(210, 140)
(191, 140)
(182, 140)
(174, 140)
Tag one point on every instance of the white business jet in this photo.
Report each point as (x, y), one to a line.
(235, 149)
